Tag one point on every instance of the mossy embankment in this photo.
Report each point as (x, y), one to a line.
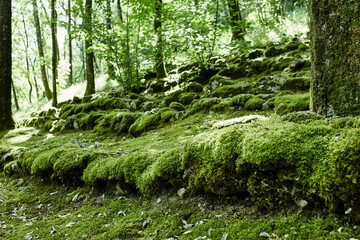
(171, 141)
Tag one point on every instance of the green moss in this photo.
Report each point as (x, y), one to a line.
(291, 103)
(218, 81)
(296, 84)
(194, 87)
(241, 99)
(165, 171)
(187, 98)
(280, 64)
(151, 121)
(223, 105)
(255, 103)
(259, 66)
(177, 106)
(228, 91)
(209, 162)
(291, 46)
(201, 105)
(144, 170)
(257, 53)
(116, 121)
(173, 97)
(274, 51)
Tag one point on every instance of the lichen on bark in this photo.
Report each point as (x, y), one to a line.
(335, 40)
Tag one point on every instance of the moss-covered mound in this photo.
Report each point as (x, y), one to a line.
(277, 163)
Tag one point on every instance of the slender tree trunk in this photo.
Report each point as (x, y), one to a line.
(335, 85)
(236, 20)
(55, 49)
(215, 29)
(128, 57)
(196, 3)
(35, 80)
(111, 71)
(90, 76)
(41, 52)
(70, 45)
(159, 57)
(137, 65)
(15, 96)
(6, 120)
(26, 40)
(118, 3)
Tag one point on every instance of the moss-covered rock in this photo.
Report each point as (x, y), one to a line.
(259, 66)
(194, 87)
(201, 105)
(229, 90)
(151, 121)
(115, 121)
(292, 103)
(173, 97)
(257, 53)
(291, 46)
(255, 103)
(209, 162)
(296, 84)
(299, 64)
(273, 51)
(218, 81)
(188, 97)
(241, 99)
(279, 64)
(146, 170)
(177, 106)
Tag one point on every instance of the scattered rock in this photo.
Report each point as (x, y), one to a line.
(239, 120)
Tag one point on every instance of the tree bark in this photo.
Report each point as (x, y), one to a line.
(26, 40)
(159, 55)
(35, 80)
(236, 20)
(55, 49)
(70, 45)
(111, 71)
(15, 96)
(335, 41)
(41, 52)
(118, 3)
(6, 119)
(90, 76)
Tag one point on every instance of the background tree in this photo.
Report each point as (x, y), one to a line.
(236, 21)
(6, 120)
(90, 75)
(55, 51)
(159, 55)
(41, 51)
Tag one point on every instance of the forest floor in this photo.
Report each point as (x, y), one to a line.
(32, 208)
(163, 164)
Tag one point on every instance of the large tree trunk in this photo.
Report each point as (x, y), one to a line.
(159, 56)
(6, 120)
(236, 20)
(70, 45)
(335, 41)
(41, 52)
(55, 49)
(90, 76)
